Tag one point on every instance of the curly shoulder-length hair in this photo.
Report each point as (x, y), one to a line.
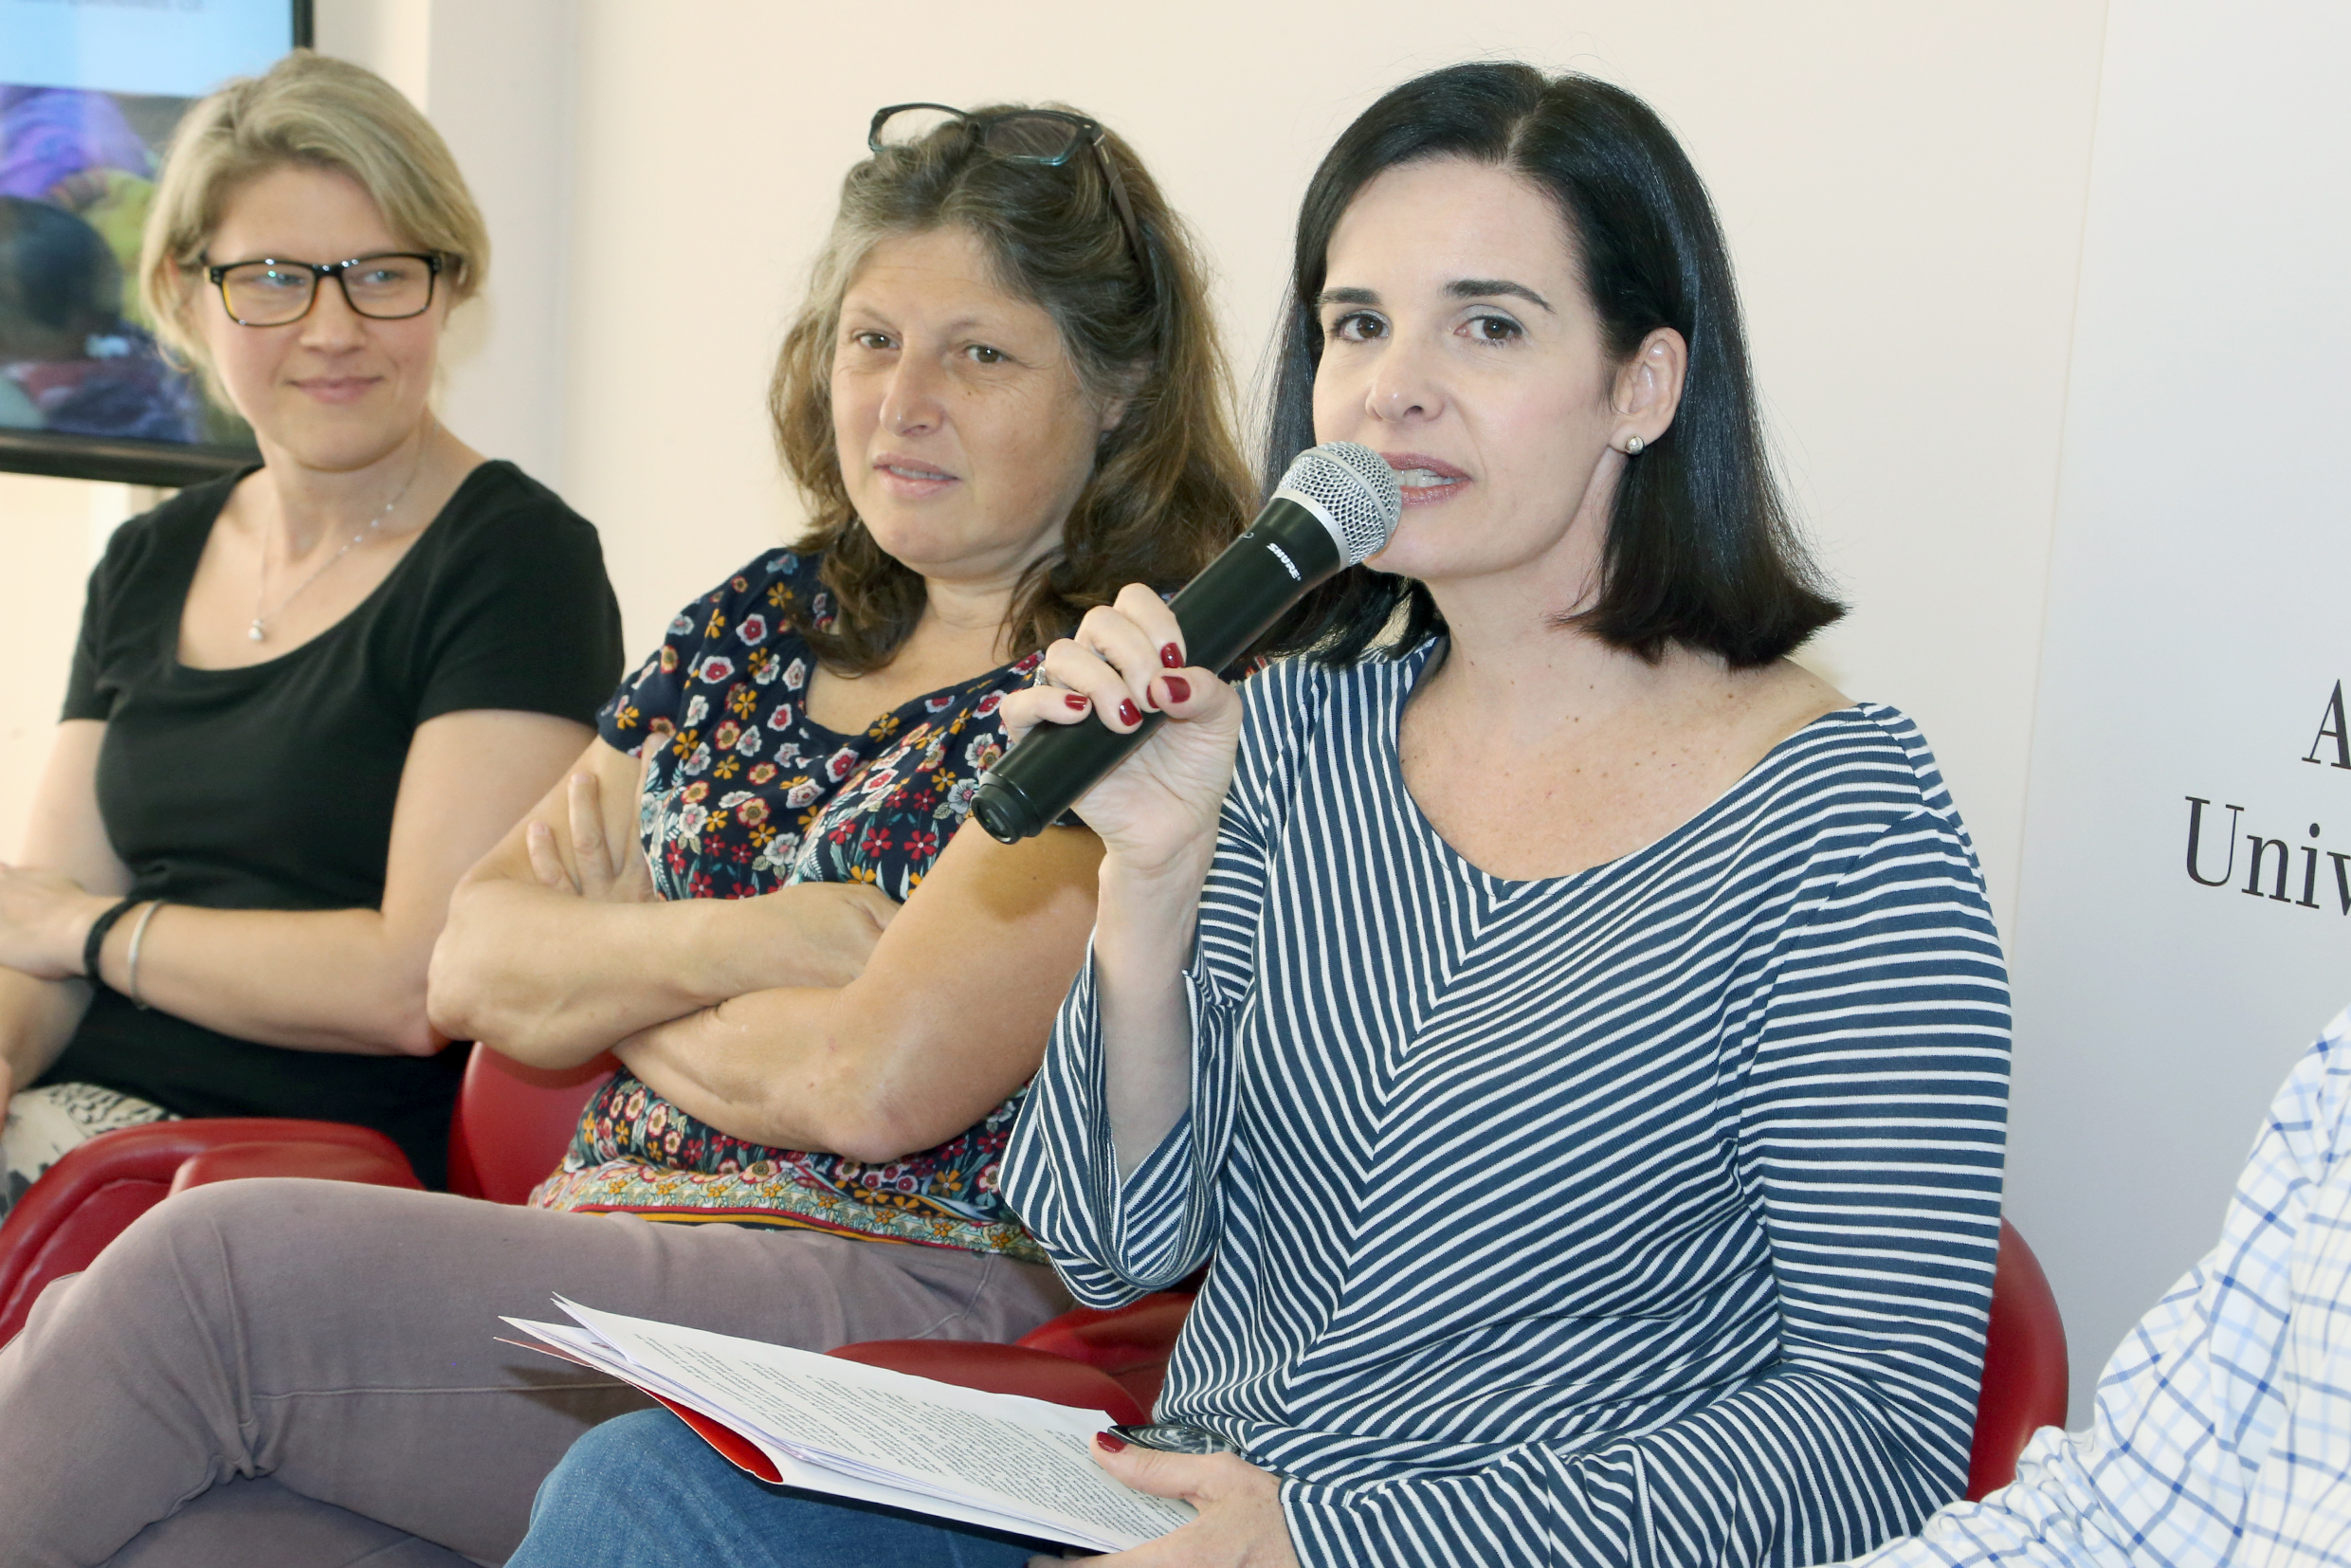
(1169, 488)
(1700, 549)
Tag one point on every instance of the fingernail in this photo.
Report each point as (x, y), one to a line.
(1128, 712)
(1078, 700)
(1178, 689)
(1110, 1441)
(1172, 656)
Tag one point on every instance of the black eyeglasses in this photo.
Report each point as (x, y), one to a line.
(273, 292)
(1047, 137)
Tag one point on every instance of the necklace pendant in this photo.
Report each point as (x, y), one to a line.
(254, 632)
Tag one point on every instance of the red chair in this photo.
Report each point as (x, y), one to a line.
(509, 1129)
(2024, 1383)
(1129, 1345)
(513, 1123)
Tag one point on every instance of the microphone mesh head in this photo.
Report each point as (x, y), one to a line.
(1352, 489)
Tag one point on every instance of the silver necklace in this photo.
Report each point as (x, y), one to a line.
(259, 630)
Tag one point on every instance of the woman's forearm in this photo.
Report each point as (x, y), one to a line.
(768, 1067)
(350, 980)
(862, 1071)
(554, 979)
(1142, 944)
(339, 980)
(346, 981)
(949, 1016)
(1160, 814)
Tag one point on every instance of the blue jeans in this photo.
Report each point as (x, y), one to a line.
(643, 1491)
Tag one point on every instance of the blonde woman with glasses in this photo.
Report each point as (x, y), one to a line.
(1002, 399)
(306, 695)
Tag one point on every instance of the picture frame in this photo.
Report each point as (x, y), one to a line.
(90, 96)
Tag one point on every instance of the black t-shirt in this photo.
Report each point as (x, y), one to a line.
(272, 787)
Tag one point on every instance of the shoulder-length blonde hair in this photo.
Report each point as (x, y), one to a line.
(1169, 488)
(306, 111)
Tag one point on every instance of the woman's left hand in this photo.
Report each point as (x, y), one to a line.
(595, 868)
(1240, 1523)
(44, 918)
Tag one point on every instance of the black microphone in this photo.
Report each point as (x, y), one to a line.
(1336, 504)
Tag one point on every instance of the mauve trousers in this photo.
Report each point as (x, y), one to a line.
(280, 1374)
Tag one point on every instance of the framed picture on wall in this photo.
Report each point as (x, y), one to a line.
(90, 93)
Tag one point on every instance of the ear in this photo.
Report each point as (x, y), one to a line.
(1122, 396)
(1649, 388)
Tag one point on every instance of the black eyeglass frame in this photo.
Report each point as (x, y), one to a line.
(1081, 130)
(217, 274)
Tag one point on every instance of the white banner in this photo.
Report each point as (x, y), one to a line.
(2185, 902)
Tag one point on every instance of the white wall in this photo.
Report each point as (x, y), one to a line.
(50, 531)
(496, 81)
(2196, 635)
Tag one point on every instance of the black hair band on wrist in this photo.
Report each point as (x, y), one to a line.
(97, 938)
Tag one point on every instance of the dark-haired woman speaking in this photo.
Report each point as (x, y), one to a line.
(1575, 1035)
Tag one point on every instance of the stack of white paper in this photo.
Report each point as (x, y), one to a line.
(853, 1431)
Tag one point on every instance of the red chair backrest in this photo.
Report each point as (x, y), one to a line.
(2025, 1380)
(508, 1134)
(294, 1156)
(513, 1123)
(96, 1189)
(1130, 1344)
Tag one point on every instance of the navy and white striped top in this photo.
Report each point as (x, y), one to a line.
(1644, 1216)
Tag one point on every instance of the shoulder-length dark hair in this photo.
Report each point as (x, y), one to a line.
(1169, 487)
(1700, 550)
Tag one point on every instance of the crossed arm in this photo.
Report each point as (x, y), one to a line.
(348, 980)
(819, 1016)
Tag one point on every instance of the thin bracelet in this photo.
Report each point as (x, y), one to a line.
(97, 939)
(138, 934)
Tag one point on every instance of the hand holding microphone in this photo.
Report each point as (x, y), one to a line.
(1111, 683)
(1139, 660)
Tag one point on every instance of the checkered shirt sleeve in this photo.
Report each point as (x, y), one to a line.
(2223, 1425)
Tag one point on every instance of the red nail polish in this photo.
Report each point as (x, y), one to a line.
(1110, 1441)
(1178, 689)
(1172, 656)
(1128, 712)
(1078, 700)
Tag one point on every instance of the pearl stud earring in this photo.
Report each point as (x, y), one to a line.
(1632, 445)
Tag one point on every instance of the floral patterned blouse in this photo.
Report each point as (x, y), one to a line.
(744, 794)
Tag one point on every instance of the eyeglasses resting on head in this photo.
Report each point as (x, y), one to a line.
(1047, 136)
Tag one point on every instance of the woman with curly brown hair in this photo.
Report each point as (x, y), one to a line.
(1002, 398)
